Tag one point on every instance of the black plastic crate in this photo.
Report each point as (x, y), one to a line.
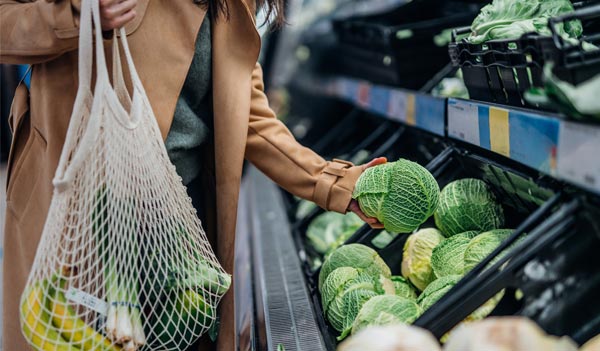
(501, 71)
(376, 47)
(555, 269)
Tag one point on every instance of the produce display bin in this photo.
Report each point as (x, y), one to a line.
(554, 269)
(501, 71)
(516, 188)
(398, 47)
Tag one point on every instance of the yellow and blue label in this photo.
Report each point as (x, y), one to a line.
(525, 137)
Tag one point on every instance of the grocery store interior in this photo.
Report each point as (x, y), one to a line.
(488, 114)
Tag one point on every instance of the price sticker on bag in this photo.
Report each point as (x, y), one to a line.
(578, 158)
(87, 300)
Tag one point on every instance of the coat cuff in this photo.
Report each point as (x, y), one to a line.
(335, 185)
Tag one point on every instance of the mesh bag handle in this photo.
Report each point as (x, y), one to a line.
(123, 262)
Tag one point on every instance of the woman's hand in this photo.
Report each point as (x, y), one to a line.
(116, 13)
(354, 207)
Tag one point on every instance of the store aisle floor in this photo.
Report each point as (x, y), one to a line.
(2, 210)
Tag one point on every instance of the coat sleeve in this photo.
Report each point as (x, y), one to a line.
(37, 31)
(272, 148)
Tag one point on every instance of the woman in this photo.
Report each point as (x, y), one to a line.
(206, 89)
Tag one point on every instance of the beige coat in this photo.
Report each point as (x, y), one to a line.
(44, 33)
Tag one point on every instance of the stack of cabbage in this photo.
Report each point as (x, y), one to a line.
(468, 218)
(357, 288)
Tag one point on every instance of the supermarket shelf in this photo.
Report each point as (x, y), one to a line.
(563, 149)
(546, 142)
(414, 109)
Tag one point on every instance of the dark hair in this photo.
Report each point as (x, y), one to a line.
(274, 9)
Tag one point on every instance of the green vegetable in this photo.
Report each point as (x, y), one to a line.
(325, 231)
(345, 290)
(441, 286)
(358, 256)
(187, 270)
(482, 245)
(416, 257)
(186, 314)
(436, 290)
(448, 257)
(401, 195)
(465, 205)
(487, 308)
(304, 208)
(385, 310)
(579, 101)
(123, 317)
(336, 280)
(342, 238)
(403, 288)
(509, 19)
(382, 239)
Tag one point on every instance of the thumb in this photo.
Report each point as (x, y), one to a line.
(375, 162)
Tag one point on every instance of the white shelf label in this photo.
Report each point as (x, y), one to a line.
(578, 157)
(463, 122)
(397, 105)
(90, 301)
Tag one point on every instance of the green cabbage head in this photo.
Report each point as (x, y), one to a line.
(416, 256)
(401, 195)
(441, 286)
(482, 245)
(344, 292)
(327, 230)
(382, 239)
(467, 204)
(403, 288)
(385, 310)
(448, 257)
(361, 257)
(436, 290)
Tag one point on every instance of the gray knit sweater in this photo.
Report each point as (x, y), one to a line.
(193, 120)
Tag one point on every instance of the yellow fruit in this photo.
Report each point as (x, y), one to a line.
(36, 324)
(74, 329)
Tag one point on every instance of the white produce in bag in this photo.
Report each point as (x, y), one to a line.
(123, 260)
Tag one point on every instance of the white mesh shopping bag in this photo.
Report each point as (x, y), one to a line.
(123, 262)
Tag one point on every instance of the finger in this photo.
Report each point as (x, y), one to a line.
(375, 162)
(376, 225)
(364, 218)
(119, 9)
(121, 21)
(356, 209)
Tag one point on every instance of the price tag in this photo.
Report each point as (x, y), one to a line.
(578, 158)
(410, 110)
(362, 98)
(87, 300)
(397, 105)
(463, 121)
(499, 131)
